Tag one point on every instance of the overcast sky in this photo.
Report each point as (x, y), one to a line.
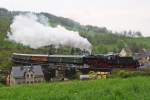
(117, 15)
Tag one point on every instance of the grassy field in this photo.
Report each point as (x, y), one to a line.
(136, 88)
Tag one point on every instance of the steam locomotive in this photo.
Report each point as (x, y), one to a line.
(95, 62)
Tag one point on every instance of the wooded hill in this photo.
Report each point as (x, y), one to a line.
(102, 39)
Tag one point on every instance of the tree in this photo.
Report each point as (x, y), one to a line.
(138, 34)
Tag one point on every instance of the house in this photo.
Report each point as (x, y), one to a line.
(125, 52)
(143, 58)
(25, 74)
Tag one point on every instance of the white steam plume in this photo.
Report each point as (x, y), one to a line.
(35, 32)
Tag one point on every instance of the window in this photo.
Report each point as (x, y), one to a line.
(31, 75)
(27, 75)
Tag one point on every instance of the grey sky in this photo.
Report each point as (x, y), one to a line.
(117, 15)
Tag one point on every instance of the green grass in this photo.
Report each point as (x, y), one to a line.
(135, 88)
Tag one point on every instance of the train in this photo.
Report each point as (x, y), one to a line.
(99, 61)
(58, 67)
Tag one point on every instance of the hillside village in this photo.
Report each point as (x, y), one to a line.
(125, 44)
(74, 50)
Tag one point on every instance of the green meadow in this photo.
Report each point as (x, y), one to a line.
(133, 88)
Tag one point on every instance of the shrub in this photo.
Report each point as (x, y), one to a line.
(126, 73)
(120, 73)
(2, 79)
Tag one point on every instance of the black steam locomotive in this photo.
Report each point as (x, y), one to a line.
(111, 62)
(95, 62)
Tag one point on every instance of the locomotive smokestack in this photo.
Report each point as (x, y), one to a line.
(50, 51)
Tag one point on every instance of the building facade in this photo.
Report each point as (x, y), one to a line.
(25, 75)
(126, 52)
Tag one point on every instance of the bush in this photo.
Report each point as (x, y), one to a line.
(120, 73)
(143, 72)
(126, 73)
(2, 79)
